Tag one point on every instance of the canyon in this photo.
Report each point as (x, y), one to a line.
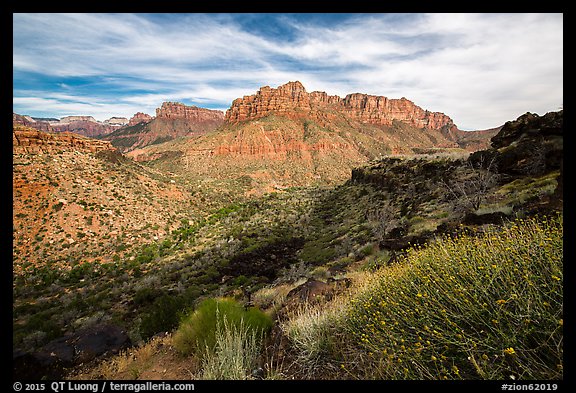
(283, 137)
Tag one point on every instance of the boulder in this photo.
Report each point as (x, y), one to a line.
(82, 346)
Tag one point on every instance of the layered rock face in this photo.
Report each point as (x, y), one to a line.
(27, 140)
(283, 100)
(87, 128)
(292, 99)
(172, 120)
(70, 119)
(116, 121)
(383, 111)
(139, 117)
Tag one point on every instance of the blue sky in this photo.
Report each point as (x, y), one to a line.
(479, 69)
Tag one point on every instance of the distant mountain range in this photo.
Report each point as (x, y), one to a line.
(172, 120)
(82, 125)
(277, 137)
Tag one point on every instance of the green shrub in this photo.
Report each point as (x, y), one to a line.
(316, 253)
(470, 307)
(147, 254)
(146, 296)
(240, 280)
(197, 332)
(163, 316)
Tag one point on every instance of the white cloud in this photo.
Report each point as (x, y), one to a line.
(480, 69)
(45, 107)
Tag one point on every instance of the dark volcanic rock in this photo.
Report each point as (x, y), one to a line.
(482, 219)
(530, 145)
(85, 345)
(311, 290)
(265, 260)
(97, 341)
(529, 125)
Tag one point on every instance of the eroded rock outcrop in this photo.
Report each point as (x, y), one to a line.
(85, 345)
(81, 125)
(116, 121)
(26, 140)
(173, 120)
(139, 117)
(530, 145)
(27, 121)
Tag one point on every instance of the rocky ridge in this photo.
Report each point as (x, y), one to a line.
(172, 120)
(28, 140)
(285, 136)
(530, 145)
(28, 121)
(177, 110)
(364, 108)
(117, 121)
(139, 117)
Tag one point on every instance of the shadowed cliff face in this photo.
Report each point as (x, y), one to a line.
(530, 145)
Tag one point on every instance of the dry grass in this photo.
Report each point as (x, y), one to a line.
(235, 354)
(271, 298)
(155, 359)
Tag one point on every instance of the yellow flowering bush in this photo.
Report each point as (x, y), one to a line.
(469, 307)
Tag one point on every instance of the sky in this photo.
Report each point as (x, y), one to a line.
(480, 69)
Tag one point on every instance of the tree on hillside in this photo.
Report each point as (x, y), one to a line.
(383, 220)
(470, 189)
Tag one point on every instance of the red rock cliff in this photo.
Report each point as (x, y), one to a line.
(29, 122)
(382, 110)
(26, 140)
(283, 100)
(139, 117)
(291, 99)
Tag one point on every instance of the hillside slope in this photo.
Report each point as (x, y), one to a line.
(315, 241)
